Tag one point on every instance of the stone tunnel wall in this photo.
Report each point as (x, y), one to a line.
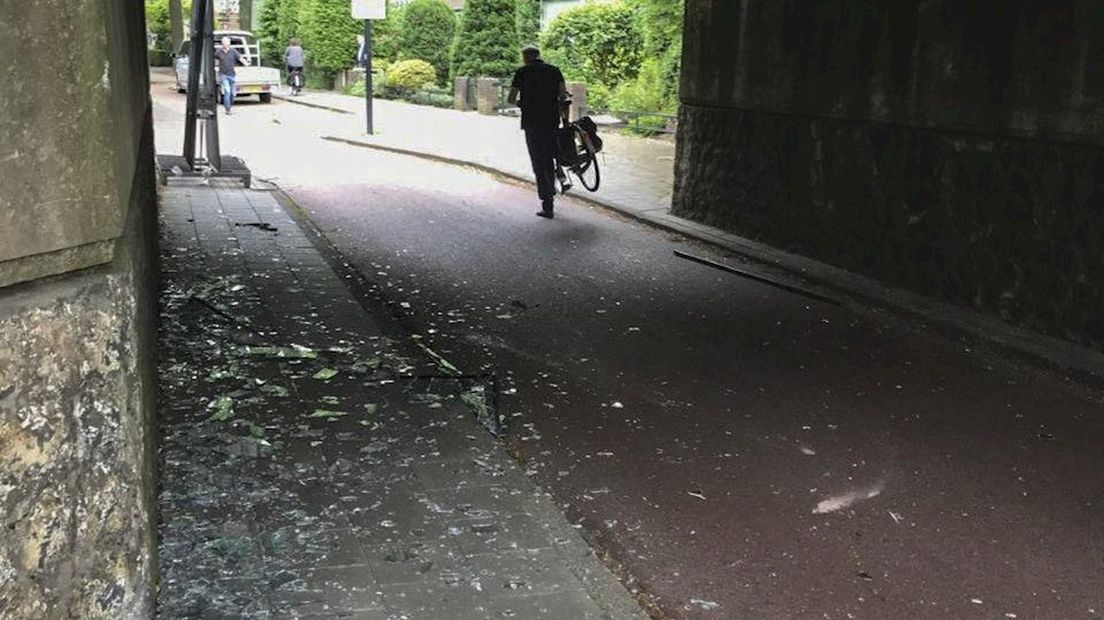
(77, 312)
(952, 148)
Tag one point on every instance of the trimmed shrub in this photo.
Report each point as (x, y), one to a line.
(599, 44)
(329, 34)
(527, 14)
(411, 74)
(486, 44)
(428, 28)
(159, 58)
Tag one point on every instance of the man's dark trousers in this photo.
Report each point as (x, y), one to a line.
(542, 152)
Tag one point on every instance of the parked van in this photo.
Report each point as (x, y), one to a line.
(253, 79)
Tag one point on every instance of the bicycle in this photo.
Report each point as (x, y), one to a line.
(579, 145)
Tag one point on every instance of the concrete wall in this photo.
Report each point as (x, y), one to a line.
(77, 311)
(952, 148)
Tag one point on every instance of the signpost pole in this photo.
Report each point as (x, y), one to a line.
(368, 73)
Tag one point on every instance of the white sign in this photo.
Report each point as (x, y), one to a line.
(369, 9)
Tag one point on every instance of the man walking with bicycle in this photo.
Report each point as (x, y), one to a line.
(541, 88)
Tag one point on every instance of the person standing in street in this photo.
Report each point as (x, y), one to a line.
(541, 88)
(227, 59)
(361, 59)
(293, 59)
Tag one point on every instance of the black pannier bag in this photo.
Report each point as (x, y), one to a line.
(568, 151)
(591, 130)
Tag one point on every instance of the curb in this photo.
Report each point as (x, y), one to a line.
(318, 106)
(857, 290)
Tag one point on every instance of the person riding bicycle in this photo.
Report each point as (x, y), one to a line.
(293, 59)
(538, 88)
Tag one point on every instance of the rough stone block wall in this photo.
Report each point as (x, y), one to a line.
(72, 453)
(955, 149)
(77, 313)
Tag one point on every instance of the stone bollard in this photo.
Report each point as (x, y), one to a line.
(486, 95)
(460, 94)
(578, 91)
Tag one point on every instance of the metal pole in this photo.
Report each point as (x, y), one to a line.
(214, 152)
(368, 73)
(199, 12)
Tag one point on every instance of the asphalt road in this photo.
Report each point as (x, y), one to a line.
(741, 451)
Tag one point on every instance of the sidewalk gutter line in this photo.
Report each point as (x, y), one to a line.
(1008, 340)
(310, 105)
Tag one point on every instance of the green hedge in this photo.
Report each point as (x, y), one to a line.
(486, 44)
(159, 58)
(428, 28)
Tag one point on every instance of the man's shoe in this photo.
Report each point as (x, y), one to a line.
(543, 213)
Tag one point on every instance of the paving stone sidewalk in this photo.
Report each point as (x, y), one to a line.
(316, 463)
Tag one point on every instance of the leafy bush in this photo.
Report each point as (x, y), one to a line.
(411, 74)
(649, 92)
(329, 34)
(357, 89)
(486, 44)
(600, 44)
(527, 14)
(660, 23)
(647, 126)
(428, 28)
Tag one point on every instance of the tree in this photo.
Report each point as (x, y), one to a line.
(176, 24)
(428, 28)
(527, 21)
(329, 34)
(486, 44)
(245, 14)
(287, 20)
(159, 21)
(386, 32)
(268, 32)
(656, 88)
(600, 44)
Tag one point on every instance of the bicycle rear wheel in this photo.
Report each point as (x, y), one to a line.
(587, 166)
